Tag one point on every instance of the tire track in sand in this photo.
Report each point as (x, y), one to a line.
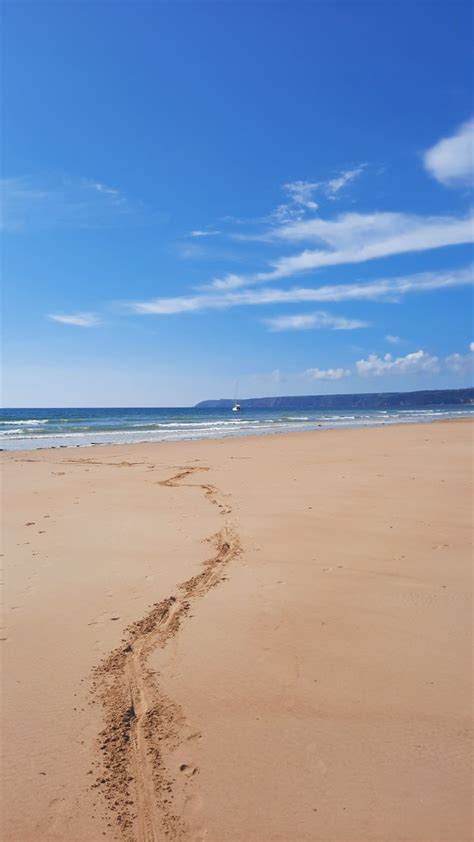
(142, 725)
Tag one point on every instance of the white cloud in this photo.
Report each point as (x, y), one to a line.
(319, 319)
(451, 160)
(76, 319)
(300, 194)
(198, 233)
(102, 188)
(355, 238)
(334, 185)
(385, 289)
(394, 340)
(324, 374)
(418, 362)
(301, 201)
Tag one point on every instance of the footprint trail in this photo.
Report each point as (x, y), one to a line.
(141, 724)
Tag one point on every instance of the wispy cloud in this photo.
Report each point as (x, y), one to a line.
(333, 187)
(104, 188)
(301, 193)
(451, 160)
(355, 238)
(300, 200)
(415, 363)
(384, 289)
(311, 321)
(394, 340)
(76, 319)
(302, 196)
(41, 203)
(207, 233)
(324, 374)
(346, 239)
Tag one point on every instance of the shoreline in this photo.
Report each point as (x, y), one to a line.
(340, 429)
(279, 630)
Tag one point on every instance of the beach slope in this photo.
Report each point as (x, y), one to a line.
(244, 640)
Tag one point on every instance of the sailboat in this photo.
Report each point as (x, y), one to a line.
(236, 407)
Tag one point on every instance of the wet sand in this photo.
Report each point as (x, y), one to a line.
(243, 640)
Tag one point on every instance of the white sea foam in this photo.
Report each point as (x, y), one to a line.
(193, 424)
(338, 417)
(27, 423)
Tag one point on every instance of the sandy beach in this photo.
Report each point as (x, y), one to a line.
(243, 640)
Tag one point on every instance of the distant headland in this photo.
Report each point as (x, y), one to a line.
(372, 400)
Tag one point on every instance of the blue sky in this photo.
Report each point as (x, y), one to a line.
(198, 193)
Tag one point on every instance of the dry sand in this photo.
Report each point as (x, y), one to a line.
(242, 640)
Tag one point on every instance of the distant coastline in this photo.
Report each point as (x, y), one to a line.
(370, 400)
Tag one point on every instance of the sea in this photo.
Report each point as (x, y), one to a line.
(30, 429)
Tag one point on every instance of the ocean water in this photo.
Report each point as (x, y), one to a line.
(27, 429)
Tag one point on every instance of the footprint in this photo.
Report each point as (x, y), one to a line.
(195, 736)
(189, 771)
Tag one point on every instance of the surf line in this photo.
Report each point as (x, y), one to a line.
(141, 724)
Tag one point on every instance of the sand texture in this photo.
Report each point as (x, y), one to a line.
(244, 640)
